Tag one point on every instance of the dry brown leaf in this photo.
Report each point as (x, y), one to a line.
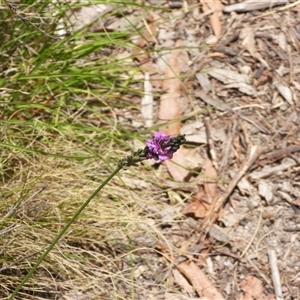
(189, 158)
(200, 282)
(170, 110)
(170, 102)
(252, 287)
(174, 166)
(197, 207)
(170, 106)
(264, 78)
(215, 18)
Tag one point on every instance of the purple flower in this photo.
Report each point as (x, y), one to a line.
(162, 146)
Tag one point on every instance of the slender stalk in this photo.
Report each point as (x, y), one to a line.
(62, 232)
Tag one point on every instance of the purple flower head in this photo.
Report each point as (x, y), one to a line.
(163, 146)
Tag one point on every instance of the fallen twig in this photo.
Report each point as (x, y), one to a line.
(273, 11)
(278, 154)
(268, 171)
(275, 274)
(227, 149)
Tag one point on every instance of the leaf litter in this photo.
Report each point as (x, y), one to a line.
(235, 187)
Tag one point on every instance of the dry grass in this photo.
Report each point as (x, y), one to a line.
(56, 148)
(98, 254)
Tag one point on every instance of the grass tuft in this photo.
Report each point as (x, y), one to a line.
(60, 137)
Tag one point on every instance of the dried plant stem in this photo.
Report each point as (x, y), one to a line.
(275, 274)
(227, 149)
(212, 150)
(62, 232)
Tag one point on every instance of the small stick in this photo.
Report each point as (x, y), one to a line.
(212, 214)
(275, 274)
(273, 11)
(277, 154)
(210, 142)
(226, 153)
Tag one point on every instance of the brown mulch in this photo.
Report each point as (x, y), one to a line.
(243, 88)
(235, 77)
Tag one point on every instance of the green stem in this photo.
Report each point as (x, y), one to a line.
(62, 232)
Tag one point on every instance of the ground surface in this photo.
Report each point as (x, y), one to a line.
(226, 224)
(241, 71)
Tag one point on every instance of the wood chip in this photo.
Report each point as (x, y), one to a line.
(219, 234)
(204, 82)
(233, 79)
(250, 5)
(217, 104)
(199, 280)
(247, 34)
(284, 91)
(268, 171)
(265, 189)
